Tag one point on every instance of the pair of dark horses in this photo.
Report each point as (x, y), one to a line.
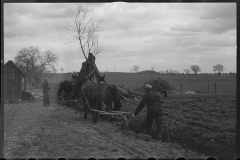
(65, 91)
(94, 96)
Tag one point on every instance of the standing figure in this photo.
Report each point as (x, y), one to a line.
(154, 111)
(45, 93)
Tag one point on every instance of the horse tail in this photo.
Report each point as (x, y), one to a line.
(116, 97)
(115, 92)
(69, 87)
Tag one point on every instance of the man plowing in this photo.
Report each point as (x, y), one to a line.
(154, 110)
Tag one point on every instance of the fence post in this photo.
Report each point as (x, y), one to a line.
(208, 86)
(181, 88)
(215, 88)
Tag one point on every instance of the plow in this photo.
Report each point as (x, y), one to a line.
(112, 113)
(122, 114)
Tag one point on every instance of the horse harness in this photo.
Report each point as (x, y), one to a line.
(96, 92)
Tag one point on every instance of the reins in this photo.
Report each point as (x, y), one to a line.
(86, 99)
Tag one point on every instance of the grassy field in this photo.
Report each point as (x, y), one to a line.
(225, 85)
(33, 131)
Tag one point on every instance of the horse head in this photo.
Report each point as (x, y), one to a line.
(74, 77)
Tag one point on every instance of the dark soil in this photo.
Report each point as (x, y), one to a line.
(204, 125)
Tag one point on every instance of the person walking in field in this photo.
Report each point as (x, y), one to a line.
(45, 93)
(154, 111)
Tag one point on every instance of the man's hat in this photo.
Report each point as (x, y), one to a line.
(148, 86)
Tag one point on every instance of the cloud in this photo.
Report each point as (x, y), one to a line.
(37, 10)
(198, 41)
(159, 35)
(219, 41)
(215, 18)
(32, 19)
(32, 27)
(217, 26)
(219, 10)
(130, 16)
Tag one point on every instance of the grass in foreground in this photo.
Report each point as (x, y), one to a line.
(33, 131)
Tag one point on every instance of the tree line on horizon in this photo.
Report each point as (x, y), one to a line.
(217, 69)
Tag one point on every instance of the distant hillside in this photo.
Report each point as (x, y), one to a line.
(148, 72)
(226, 85)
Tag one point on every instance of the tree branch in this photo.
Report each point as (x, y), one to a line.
(85, 28)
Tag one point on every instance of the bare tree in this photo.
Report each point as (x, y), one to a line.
(84, 29)
(61, 69)
(135, 68)
(167, 71)
(152, 69)
(187, 71)
(26, 59)
(218, 68)
(32, 62)
(195, 69)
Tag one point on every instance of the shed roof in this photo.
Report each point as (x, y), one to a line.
(11, 63)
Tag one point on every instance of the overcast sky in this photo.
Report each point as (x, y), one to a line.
(159, 35)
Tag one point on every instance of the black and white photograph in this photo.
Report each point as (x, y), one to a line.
(119, 80)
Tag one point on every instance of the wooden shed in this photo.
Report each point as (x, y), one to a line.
(13, 82)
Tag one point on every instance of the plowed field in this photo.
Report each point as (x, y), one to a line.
(205, 125)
